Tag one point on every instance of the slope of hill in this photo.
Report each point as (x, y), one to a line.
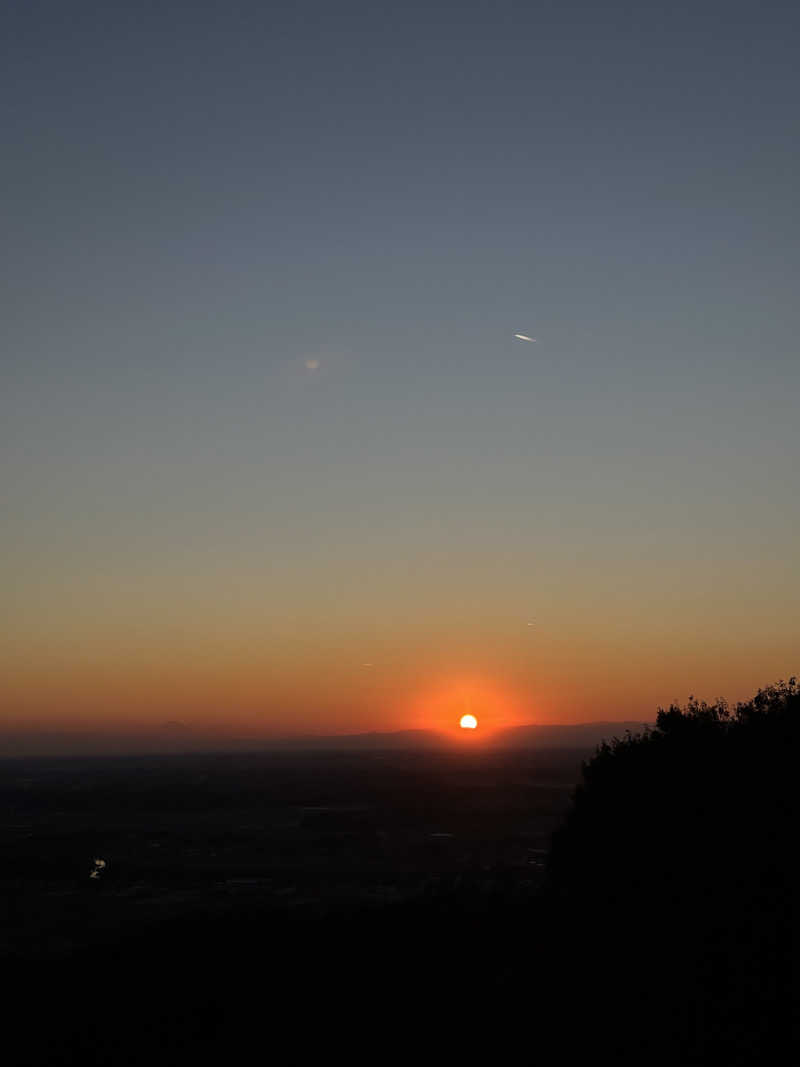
(575, 735)
(179, 738)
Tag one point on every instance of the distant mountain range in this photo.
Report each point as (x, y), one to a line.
(579, 735)
(175, 737)
(576, 735)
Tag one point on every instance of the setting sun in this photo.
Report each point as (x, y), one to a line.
(468, 722)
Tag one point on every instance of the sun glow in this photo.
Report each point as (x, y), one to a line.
(465, 706)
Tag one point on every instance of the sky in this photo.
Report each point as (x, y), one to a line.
(273, 460)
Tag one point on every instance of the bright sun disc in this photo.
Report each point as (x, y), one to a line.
(468, 722)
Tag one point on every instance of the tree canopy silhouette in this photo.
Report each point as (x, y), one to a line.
(673, 869)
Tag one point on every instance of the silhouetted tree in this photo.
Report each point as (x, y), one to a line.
(673, 872)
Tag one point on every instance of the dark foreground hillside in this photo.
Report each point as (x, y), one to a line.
(672, 881)
(385, 909)
(284, 900)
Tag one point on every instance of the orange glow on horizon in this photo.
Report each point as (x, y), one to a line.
(448, 707)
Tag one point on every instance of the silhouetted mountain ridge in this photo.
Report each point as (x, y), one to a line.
(174, 738)
(571, 735)
(531, 735)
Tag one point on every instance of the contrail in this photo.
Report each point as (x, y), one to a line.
(524, 337)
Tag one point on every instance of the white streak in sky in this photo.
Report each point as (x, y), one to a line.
(524, 337)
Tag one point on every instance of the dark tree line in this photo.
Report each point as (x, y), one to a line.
(674, 874)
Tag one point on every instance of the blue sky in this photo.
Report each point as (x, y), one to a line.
(264, 265)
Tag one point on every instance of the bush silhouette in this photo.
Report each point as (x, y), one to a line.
(672, 871)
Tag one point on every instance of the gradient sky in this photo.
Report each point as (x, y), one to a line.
(272, 458)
